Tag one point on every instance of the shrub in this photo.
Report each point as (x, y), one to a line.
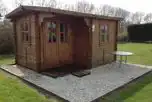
(6, 38)
(122, 37)
(140, 33)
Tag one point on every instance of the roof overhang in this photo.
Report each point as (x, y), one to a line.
(24, 9)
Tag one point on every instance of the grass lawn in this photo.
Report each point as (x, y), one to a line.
(141, 89)
(7, 59)
(142, 52)
(13, 90)
(137, 91)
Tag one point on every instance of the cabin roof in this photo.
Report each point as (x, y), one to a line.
(23, 9)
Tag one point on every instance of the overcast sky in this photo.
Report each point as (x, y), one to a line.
(130, 5)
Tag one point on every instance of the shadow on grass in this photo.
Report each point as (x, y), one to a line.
(123, 42)
(128, 90)
(6, 56)
(7, 59)
(126, 42)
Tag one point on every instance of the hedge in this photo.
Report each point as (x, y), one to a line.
(6, 38)
(140, 32)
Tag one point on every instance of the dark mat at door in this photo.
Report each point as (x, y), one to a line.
(82, 73)
(54, 74)
(65, 70)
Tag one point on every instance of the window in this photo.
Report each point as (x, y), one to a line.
(103, 33)
(63, 32)
(52, 32)
(25, 31)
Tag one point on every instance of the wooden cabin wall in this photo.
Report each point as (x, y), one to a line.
(79, 35)
(85, 43)
(101, 52)
(26, 55)
(81, 43)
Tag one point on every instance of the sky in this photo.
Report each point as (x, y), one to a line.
(130, 5)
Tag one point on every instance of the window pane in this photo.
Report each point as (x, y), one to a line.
(53, 25)
(26, 34)
(50, 37)
(49, 26)
(103, 33)
(102, 29)
(63, 32)
(62, 37)
(22, 27)
(106, 28)
(25, 31)
(52, 31)
(62, 27)
(25, 26)
(54, 36)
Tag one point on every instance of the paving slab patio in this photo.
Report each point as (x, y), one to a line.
(101, 81)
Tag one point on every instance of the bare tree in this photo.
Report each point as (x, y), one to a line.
(125, 15)
(112, 11)
(69, 7)
(51, 3)
(3, 9)
(148, 18)
(84, 6)
(106, 10)
(137, 17)
(18, 2)
(43, 3)
(32, 2)
(119, 12)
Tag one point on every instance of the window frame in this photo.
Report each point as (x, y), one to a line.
(103, 37)
(25, 30)
(52, 30)
(65, 32)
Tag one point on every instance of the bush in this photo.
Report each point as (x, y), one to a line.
(6, 38)
(122, 37)
(140, 33)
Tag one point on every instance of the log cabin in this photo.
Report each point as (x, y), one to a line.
(47, 38)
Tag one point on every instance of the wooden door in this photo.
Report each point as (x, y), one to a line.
(104, 41)
(107, 39)
(51, 58)
(58, 44)
(65, 44)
